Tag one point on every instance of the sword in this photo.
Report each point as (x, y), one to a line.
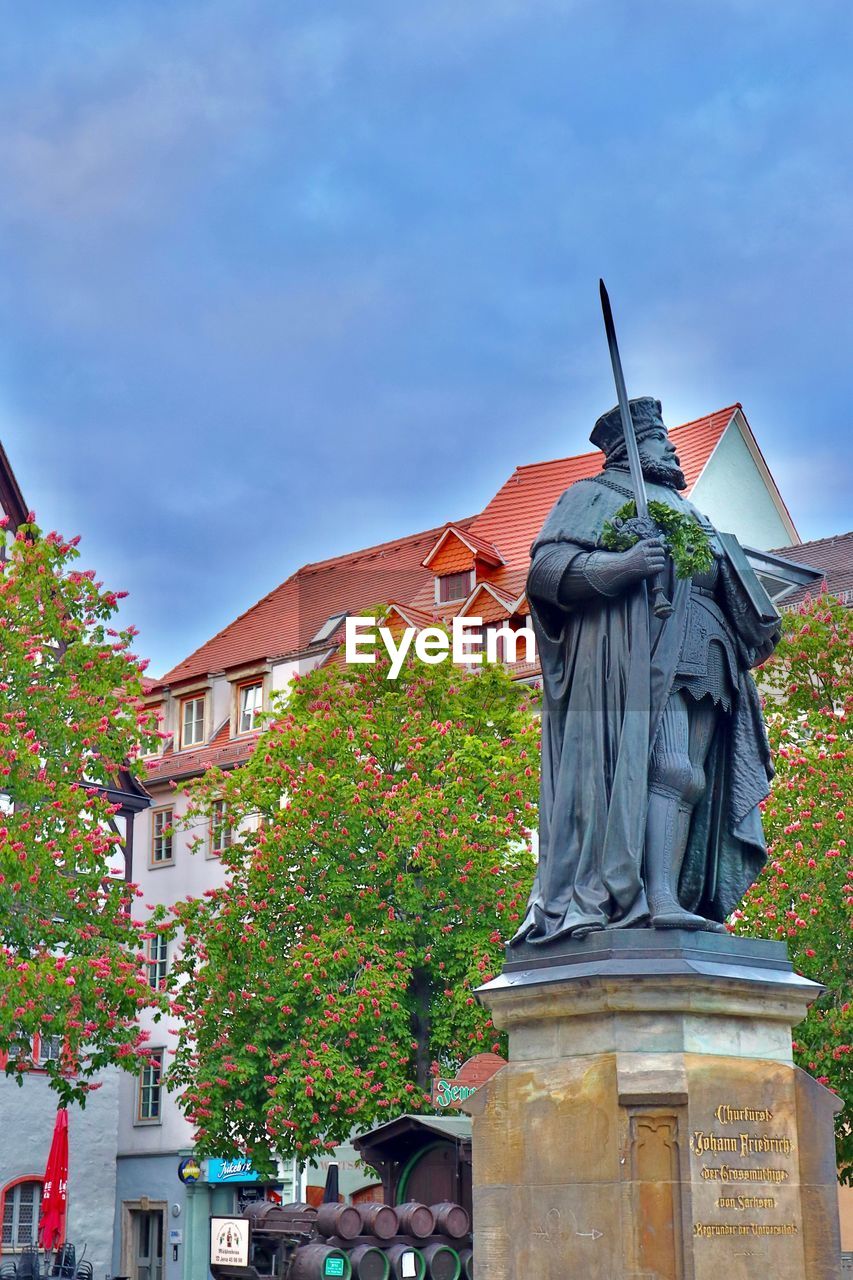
(662, 606)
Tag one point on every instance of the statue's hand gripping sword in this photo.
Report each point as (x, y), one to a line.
(662, 606)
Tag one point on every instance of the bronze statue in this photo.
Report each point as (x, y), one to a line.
(654, 753)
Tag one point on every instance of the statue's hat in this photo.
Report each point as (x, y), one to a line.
(607, 433)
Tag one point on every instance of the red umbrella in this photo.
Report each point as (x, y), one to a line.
(54, 1205)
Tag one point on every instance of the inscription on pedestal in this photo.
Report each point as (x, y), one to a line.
(744, 1147)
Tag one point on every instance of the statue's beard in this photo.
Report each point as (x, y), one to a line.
(661, 472)
(655, 470)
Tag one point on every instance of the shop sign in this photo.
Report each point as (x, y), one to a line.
(189, 1170)
(229, 1242)
(237, 1170)
(450, 1093)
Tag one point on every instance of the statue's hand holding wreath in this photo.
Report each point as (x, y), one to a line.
(612, 572)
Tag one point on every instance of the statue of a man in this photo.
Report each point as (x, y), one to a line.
(654, 753)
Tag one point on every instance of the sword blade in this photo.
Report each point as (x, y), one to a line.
(637, 482)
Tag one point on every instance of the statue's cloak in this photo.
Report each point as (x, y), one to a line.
(608, 667)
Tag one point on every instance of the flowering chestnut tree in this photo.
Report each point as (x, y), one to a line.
(805, 894)
(381, 856)
(71, 958)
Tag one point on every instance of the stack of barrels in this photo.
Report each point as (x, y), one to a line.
(377, 1242)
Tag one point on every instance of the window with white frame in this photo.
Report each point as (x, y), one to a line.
(47, 1049)
(161, 837)
(453, 586)
(250, 698)
(21, 1205)
(158, 960)
(150, 1096)
(221, 834)
(192, 721)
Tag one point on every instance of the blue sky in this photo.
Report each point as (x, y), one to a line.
(278, 280)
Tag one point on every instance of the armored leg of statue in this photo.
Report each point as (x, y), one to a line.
(676, 782)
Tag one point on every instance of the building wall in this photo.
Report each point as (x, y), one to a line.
(732, 492)
(150, 1183)
(27, 1117)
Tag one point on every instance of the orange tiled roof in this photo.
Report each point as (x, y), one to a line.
(517, 511)
(479, 546)
(284, 622)
(222, 752)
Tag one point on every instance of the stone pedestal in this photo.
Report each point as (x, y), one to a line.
(650, 1123)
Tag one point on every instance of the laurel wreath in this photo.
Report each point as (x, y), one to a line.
(683, 536)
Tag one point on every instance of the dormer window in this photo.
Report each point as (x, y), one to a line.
(454, 586)
(192, 721)
(250, 698)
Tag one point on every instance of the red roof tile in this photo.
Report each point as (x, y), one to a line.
(222, 752)
(486, 550)
(834, 556)
(516, 513)
(285, 621)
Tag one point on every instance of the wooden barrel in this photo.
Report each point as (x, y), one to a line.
(342, 1220)
(451, 1219)
(369, 1263)
(378, 1220)
(318, 1261)
(407, 1262)
(266, 1216)
(466, 1257)
(415, 1219)
(442, 1262)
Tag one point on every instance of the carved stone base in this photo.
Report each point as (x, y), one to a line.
(650, 1123)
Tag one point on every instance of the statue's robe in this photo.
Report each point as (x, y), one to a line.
(608, 666)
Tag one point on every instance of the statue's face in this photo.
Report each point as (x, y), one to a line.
(660, 461)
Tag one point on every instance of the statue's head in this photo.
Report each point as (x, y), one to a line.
(658, 457)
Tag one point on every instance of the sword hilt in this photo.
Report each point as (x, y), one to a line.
(660, 603)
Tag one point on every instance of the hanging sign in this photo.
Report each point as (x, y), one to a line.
(189, 1170)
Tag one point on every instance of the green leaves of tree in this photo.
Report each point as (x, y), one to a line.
(71, 958)
(805, 894)
(383, 857)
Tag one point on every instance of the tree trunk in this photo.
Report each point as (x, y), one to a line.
(421, 992)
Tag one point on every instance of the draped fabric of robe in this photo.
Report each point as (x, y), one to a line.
(608, 666)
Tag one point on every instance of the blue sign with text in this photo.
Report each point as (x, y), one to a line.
(236, 1170)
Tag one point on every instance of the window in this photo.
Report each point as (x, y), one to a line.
(150, 1089)
(220, 830)
(329, 627)
(161, 837)
(249, 702)
(192, 721)
(21, 1205)
(454, 586)
(158, 960)
(47, 1049)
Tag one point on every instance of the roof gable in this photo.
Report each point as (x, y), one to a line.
(488, 603)
(737, 491)
(459, 543)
